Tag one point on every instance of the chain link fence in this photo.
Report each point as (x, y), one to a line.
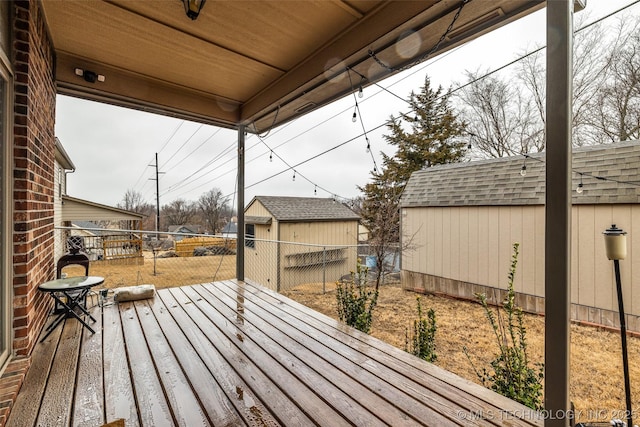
(128, 257)
(283, 266)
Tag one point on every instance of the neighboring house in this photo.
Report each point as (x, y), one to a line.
(464, 218)
(70, 210)
(230, 230)
(125, 247)
(62, 166)
(292, 240)
(183, 229)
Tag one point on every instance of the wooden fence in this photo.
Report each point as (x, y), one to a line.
(212, 246)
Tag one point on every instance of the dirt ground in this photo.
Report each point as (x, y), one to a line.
(597, 387)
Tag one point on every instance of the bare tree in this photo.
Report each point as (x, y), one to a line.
(501, 120)
(178, 212)
(134, 201)
(212, 206)
(619, 97)
(506, 112)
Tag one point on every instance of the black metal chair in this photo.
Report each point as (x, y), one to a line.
(75, 256)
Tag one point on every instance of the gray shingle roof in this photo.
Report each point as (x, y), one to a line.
(498, 182)
(306, 208)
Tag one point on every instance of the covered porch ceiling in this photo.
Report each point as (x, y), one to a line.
(253, 63)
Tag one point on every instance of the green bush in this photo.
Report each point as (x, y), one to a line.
(422, 342)
(510, 373)
(356, 300)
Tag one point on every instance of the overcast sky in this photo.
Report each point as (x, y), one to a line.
(112, 147)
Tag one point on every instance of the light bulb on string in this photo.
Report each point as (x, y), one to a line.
(368, 146)
(580, 188)
(360, 92)
(523, 170)
(271, 156)
(315, 190)
(354, 117)
(294, 175)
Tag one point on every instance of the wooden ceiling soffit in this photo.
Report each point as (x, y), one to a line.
(397, 35)
(128, 89)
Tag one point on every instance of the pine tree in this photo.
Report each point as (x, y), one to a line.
(426, 136)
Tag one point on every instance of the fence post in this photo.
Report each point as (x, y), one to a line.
(324, 269)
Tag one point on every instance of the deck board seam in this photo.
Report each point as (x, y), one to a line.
(224, 359)
(260, 342)
(330, 323)
(351, 372)
(249, 363)
(198, 357)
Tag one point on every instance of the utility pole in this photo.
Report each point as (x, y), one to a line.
(157, 196)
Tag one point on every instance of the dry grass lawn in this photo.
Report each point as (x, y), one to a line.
(597, 387)
(169, 272)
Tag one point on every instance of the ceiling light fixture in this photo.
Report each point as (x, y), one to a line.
(193, 7)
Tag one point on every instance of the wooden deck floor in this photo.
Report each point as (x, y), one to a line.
(233, 354)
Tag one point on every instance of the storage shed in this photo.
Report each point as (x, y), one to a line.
(464, 218)
(298, 240)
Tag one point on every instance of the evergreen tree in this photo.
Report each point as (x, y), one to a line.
(426, 136)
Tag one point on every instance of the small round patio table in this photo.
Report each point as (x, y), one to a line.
(70, 293)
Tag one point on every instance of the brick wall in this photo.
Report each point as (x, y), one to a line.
(33, 188)
(10, 383)
(34, 155)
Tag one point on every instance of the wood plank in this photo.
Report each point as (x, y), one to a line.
(247, 403)
(88, 403)
(278, 403)
(392, 393)
(58, 397)
(153, 408)
(469, 394)
(256, 344)
(119, 399)
(27, 405)
(216, 403)
(183, 401)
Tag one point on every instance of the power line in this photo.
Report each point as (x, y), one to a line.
(183, 144)
(196, 149)
(316, 186)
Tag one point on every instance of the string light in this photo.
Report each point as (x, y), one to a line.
(360, 92)
(315, 190)
(523, 170)
(580, 188)
(355, 116)
(271, 156)
(294, 174)
(368, 146)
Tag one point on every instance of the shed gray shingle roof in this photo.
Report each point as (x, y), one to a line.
(498, 182)
(306, 208)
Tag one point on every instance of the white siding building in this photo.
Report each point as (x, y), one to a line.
(296, 240)
(464, 219)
